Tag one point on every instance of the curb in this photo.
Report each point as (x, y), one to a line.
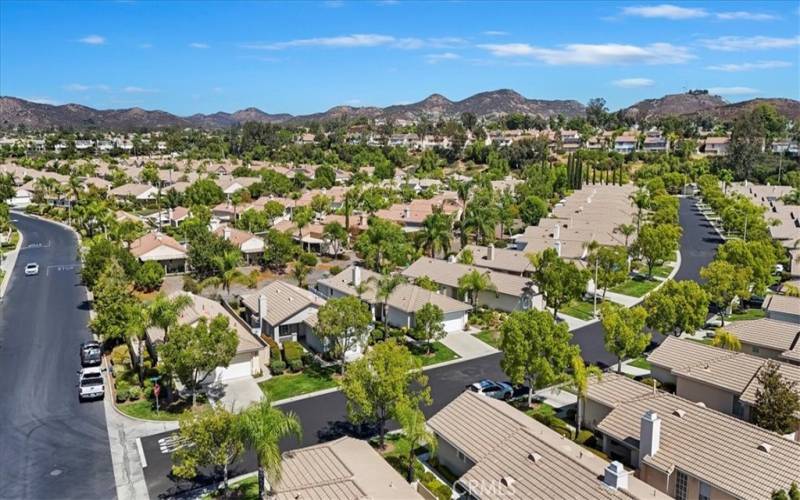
(13, 263)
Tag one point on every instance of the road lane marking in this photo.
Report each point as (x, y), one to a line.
(32, 246)
(62, 267)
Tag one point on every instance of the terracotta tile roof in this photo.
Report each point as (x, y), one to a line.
(151, 241)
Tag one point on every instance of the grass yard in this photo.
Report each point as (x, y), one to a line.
(636, 287)
(491, 337)
(439, 353)
(662, 271)
(243, 490)
(146, 409)
(581, 309)
(294, 384)
(640, 362)
(747, 314)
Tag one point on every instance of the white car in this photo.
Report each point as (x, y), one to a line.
(90, 384)
(496, 390)
(31, 269)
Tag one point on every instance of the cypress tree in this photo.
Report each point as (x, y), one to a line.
(594, 174)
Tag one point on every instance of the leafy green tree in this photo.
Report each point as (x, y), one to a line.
(627, 230)
(305, 262)
(536, 350)
(279, 249)
(207, 252)
(726, 340)
(336, 237)
(612, 266)
(558, 281)
(386, 378)
(641, 200)
(226, 271)
(677, 307)
(473, 283)
(215, 441)
(758, 256)
(302, 217)
(194, 352)
(149, 276)
(262, 427)
(427, 283)
(532, 209)
(112, 295)
(383, 245)
(725, 282)
(579, 382)
(429, 324)
(777, 400)
(466, 257)
(343, 325)
(657, 244)
(164, 311)
(624, 331)
(793, 494)
(204, 192)
(412, 422)
(100, 252)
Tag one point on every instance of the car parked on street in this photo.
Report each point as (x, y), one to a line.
(91, 355)
(90, 384)
(31, 269)
(497, 390)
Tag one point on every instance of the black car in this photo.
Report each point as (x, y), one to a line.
(91, 354)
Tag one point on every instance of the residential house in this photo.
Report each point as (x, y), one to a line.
(177, 215)
(687, 450)
(496, 451)
(161, 248)
(608, 392)
(250, 245)
(252, 355)
(716, 146)
(785, 147)
(782, 308)
(768, 338)
(134, 192)
(346, 468)
(500, 259)
(625, 143)
(655, 143)
(512, 293)
(570, 140)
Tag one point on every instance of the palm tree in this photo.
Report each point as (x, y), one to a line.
(726, 340)
(164, 312)
(262, 427)
(386, 286)
(579, 382)
(462, 191)
(592, 248)
(641, 200)
(301, 216)
(473, 283)
(726, 177)
(227, 269)
(626, 230)
(436, 232)
(412, 421)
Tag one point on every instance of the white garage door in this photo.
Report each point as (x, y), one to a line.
(237, 369)
(454, 322)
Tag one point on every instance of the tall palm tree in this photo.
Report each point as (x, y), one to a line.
(227, 271)
(262, 427)
(164, 312)
(436, 232)
(385, 287)
(473, 283)
(412, 421)
(726, 340)
(726, 177)
(579, 382)
(626, 230)
(641, 200)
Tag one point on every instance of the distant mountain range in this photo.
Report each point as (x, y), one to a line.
(15, 111)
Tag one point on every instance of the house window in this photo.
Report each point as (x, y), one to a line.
(681, 485)
(705, 491)
(461, 456)
(756, 350)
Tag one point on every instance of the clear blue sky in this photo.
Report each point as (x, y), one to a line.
(302, 57)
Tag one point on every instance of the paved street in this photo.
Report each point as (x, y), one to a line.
(51, 446)
(324, 417)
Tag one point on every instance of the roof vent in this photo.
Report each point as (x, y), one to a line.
(765, 447)
(679, 413)
(701, 404)
(535, 457)
(507, 481)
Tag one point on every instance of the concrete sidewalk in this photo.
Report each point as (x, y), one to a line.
(9, 260)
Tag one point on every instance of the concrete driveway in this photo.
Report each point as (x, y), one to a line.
(236, 394)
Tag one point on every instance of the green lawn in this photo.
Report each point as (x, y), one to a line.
(243, 490)
(662, 271)
(439, 354)
(580, 309)
(145, 409)
(747, 314)
(489, 337)
(294, 384)
(640, 362)
(636, 287)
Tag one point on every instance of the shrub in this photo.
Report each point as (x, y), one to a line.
(121, 356)
(293, 352)
(334, 270)
(296, 365)
(274, 349)
(191, 285)
(122, 395)
(149, 276)
(135, 393)
(277, 366)
(649, 381)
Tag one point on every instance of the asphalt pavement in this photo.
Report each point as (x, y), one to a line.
(325, 417)
(51, 446)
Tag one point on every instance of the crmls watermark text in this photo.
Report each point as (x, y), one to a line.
(490, 488)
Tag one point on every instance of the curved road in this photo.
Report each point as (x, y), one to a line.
(325, 417)
(51, 446)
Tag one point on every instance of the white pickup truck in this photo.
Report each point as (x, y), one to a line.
(90, 384)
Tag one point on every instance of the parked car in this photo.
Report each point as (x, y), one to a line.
(90, 384)
(31, 269)
(497, 390)
(91, 355)
(778, 269)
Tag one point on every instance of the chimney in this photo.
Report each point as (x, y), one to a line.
(356, 275)
(649, 435)
(451, 258)
(490, 252)
(557, 246)
(557, 232)
(262, 312)
(226, 233)
(406, 213)
(615, 476)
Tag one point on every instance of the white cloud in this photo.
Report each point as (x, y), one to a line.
(360, 40)
(199, 45)
(664, 11)
(735, 67)
(495, 33)
(93, 40)
(138, 90)
(80, 87)
(633, 83)
(595, 54)
(41, 100)
(741, 15)
(737, 43)
(445, 56)
(733, 91)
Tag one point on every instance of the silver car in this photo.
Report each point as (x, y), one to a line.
(31, 269)
(90, 384)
